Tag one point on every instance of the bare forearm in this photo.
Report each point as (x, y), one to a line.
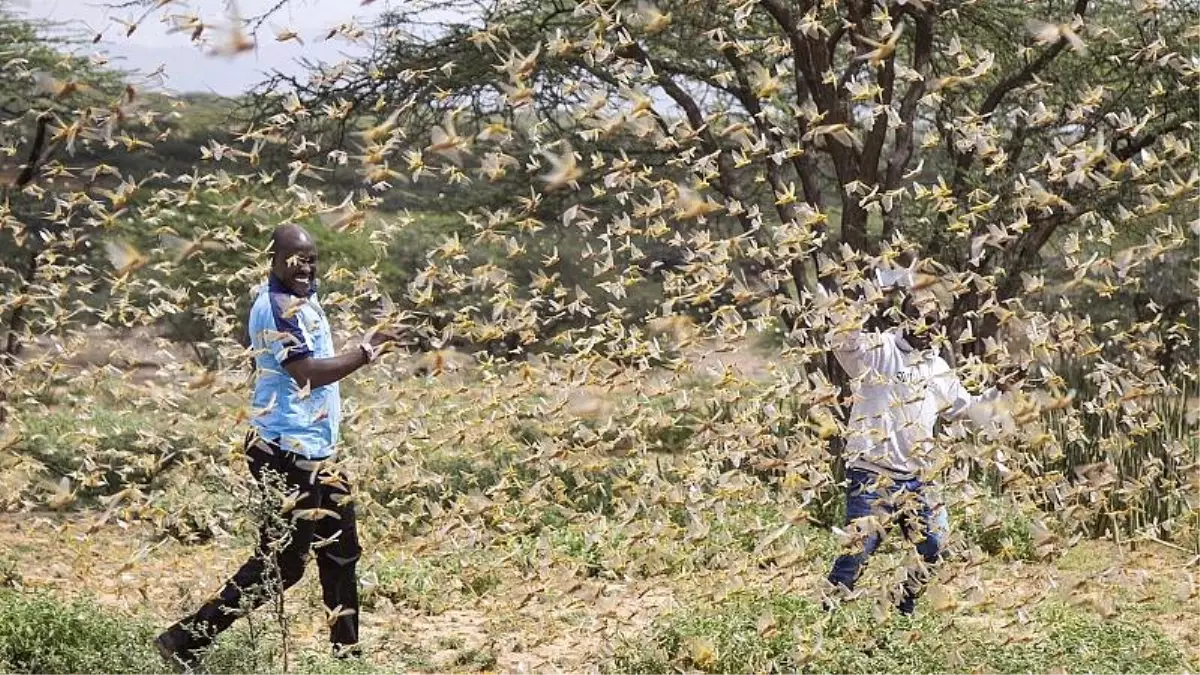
(320, 372)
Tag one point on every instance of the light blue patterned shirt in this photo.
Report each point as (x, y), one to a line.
(285, 327)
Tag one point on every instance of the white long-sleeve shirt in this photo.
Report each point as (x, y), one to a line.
(898, 394)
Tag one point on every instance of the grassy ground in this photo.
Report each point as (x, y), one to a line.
(1100, 608)
(522, 523)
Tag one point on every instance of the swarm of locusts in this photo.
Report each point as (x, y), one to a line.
(750, 166)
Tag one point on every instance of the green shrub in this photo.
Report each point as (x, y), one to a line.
(578, 545)
(244, 649)
(41, 634)
(116, 448)
(998, 530)
(1081, 641)
(418, 584)
(744, 634)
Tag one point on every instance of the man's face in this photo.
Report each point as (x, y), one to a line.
(921, 322)
(915, 319)
(296, 266)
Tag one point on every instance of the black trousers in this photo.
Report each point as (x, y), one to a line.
(317, 516)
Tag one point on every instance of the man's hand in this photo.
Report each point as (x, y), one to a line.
(1013, 377)
(379, 341)
(379, 338)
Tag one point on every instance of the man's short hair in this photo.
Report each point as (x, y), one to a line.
(278, 233)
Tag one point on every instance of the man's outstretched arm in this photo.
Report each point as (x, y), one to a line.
(314, 372)
(981, 411)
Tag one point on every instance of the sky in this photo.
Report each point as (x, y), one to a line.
(187, 67)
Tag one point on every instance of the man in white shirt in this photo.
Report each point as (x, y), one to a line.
(900, 388)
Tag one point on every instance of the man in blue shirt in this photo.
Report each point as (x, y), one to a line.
(296, 408)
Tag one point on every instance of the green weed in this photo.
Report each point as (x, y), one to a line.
(41, 634)
(787, 633)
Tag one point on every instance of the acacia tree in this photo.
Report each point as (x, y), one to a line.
(982, 132)
(52, 105)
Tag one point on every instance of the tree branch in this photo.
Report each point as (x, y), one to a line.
(786, 211)
(35, 156)
(903, 145)
(869, 163)
(695, 117)
(996, 96)
(812, 61)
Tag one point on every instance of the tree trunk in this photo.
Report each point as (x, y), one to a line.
(16, 323)
(38, 151)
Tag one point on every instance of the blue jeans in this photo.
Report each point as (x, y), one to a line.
(901, 501)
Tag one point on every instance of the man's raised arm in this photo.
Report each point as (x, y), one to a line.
(855, 339)
(313, 372)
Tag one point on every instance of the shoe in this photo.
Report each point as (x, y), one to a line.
(181, 659)
(342, 652)
(832, 597)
